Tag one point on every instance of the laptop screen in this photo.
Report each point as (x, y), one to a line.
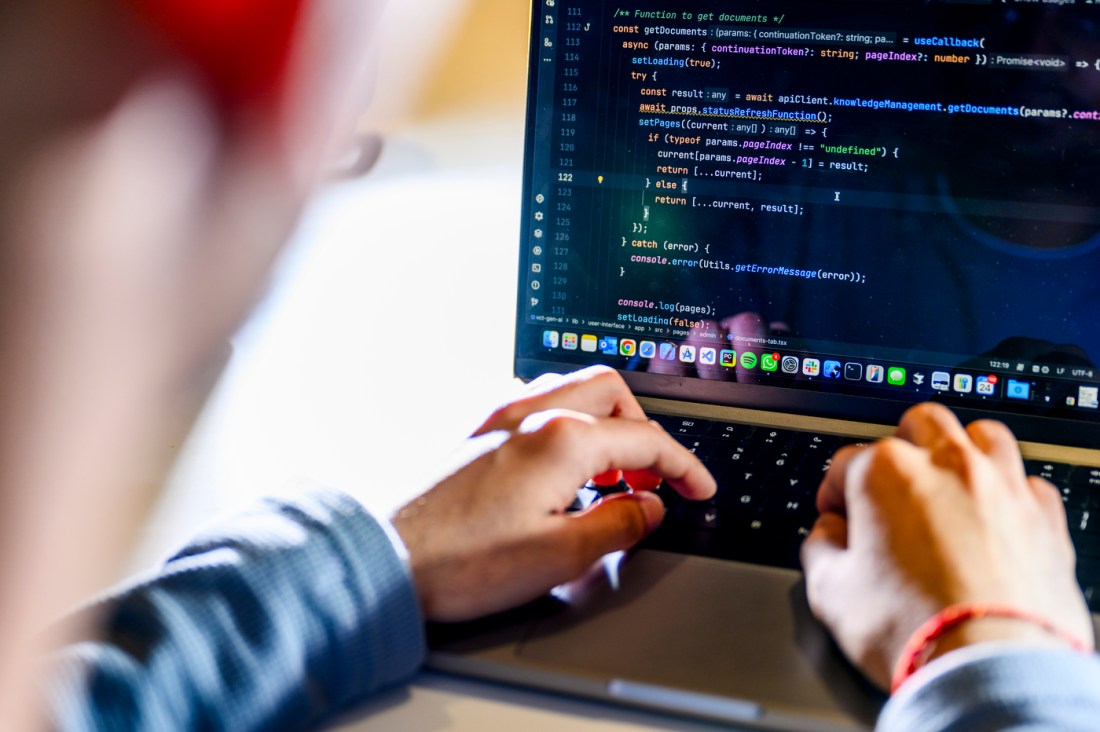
(815, 201)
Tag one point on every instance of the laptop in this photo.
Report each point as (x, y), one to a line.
(784, 223)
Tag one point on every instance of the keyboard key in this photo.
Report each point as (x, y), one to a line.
(811, 444)
(779, 461)
(1079, 520)
(798, 485)
(698, 447)
(820, 467)
(1073, 496)
(1088, 576)
(745, 500)
(681, 425)
(1054, 472)
(1087, 545)
(774, 438)
(735, 480)
(731, 432)
(705, 516)
(1084, 475)
(731, 459)
(1085, 481)
(790, 506)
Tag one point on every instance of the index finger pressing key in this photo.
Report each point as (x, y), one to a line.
(636, 446)
(830, 496)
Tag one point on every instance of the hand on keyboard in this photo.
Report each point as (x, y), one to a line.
(937, 516)
(497, 533)
(764, 506)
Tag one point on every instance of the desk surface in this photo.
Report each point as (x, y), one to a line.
(433, 702)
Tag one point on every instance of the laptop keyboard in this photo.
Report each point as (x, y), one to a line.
(767, 486)
(1080, 488)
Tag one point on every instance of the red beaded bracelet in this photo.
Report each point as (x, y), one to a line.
(916, 649)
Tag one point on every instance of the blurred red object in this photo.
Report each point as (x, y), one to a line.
(608, 479)
(642, 480)
(240, 47)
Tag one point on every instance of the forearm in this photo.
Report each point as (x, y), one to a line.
(279, 617)
(999, 687)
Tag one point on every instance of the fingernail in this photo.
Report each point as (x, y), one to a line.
(653, 508)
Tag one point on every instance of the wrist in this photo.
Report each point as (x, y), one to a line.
(968, 624)
(990, 629)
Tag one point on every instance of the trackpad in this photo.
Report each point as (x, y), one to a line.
(708, 626)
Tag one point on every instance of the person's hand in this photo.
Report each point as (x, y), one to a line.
(937, 516)
(495, 534)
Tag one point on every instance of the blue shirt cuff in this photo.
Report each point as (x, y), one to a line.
(999, 686)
